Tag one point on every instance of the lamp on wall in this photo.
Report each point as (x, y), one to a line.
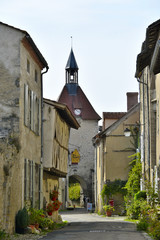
(134, 129)
(127, 132)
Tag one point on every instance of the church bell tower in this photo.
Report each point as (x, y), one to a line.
(71, 70)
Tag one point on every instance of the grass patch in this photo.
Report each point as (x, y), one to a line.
(131, 220)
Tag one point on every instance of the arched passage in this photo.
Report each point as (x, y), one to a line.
(78, 179)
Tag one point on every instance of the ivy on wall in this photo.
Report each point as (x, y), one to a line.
(133, 183)
(114, 187)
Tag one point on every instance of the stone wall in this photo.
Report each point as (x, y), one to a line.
(81, 140)
(10, 182)
(13, 77)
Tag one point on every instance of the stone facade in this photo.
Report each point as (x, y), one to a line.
(112, 149)
(20, 122)
(57, 123)
(148, 76)
(83, 172)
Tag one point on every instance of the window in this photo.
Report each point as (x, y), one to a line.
(31, 110)
(36, 76)
(28, 66)
(29, 181)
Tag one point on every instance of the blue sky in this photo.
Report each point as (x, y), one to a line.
(107, 36)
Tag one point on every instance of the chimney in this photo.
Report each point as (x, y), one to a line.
(132, 99)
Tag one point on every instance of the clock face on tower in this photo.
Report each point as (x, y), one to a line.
(77, 111)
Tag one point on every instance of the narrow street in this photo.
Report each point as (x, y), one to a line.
(90, 226)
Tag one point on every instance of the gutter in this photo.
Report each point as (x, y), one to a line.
(35, 48)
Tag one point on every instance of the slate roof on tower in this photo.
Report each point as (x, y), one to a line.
(71, 63)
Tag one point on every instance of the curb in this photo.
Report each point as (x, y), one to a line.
(146, 236)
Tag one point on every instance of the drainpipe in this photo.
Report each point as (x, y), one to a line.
(95, 186)
(95, 171)
(41, 167)
(148, 157)
(42, 112)
(148, 127)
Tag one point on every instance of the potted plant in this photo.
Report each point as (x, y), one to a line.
(108, 209)
(56, 205)
(49, 208)
(22, 220)
(35, 216)
(54, 195)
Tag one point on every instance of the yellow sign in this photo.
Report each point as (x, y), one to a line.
(75, 157)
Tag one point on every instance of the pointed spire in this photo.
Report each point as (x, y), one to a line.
(71, 70)
(71, 63)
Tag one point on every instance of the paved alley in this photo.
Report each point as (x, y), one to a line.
(90, 226)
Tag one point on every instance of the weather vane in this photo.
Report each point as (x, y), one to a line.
(71, 42)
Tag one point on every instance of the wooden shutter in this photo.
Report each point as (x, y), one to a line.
(26, 104)
(32, 111)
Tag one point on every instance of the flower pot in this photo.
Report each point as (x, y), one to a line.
(56, 209)
(54, 199)
(37, 226)
(50, 213)
(109, 213)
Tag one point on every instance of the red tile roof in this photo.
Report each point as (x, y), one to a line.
(113, 115)
(80, 101)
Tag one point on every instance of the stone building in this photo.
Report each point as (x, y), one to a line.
(58, 120)
(148, 76)
(81, 158)
(21, 77)
(112, 149)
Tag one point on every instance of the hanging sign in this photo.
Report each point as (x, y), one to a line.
(75, 157)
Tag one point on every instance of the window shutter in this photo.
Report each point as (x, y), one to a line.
(33, 181)
(26, 179)
(38, 117)
(157, 117)
(32, 111)
(26, 104)
(155, 179)
(35, 113)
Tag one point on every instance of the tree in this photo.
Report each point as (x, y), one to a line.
(74, 191)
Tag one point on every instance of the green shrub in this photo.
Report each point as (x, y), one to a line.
(22, 220)
(111, 188)
(46, 223)
(154, 230)
(143, 224)
(35, 215)
(58, 225)
(135, 209)
(133, 183)
(3, 235)
(140, 194)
